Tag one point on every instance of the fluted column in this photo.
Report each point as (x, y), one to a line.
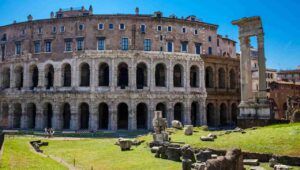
(151, 74)
(187, 84)
(26, 77)
(261, 63)
(112, 76)
(57, 77)
(94, 82)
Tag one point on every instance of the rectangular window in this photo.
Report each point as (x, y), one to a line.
(62, 28)
(218, 42)
(122, 27)
(196, 32)
(68, 45)
(40, 30)
(124, 44)
(101, 26)
(169, 28)
(209, 50)
(197, 48)
(111, 26)
(184, 46)
(18, 47)
(48, 47)
(143, 28)
(80, 44)
(159, 28)
(101, 44)
(209, 38)
(37, 47)
(183, 30)
(81, 27)
(53, 29)
(147, 45)
(170, 46)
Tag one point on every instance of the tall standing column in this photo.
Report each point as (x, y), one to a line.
(261, 63)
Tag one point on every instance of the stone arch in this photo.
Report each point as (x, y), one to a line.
(210, 114)
(49, 76)
(103, 116)
(103, 74)
(141, 75)
(123, 77)
(122, 116)
(4, 115)
(31, 114)
(194, 112)
(141, 116)
(209, 77)
(178, 111)
(34, 76)
(66, 75)
(221, 75)
(84, 74)
(232, 79)
(6, 78)
(66, 116)
(178, 75)
(160, 75)
(47, 115)
(234, 113)
(19, 77)
(194, 76)
(163, 108)
(223, 114)
(84, 115)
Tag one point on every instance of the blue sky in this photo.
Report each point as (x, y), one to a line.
(281, 19)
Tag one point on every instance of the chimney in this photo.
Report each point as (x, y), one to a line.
(29, 17)
(52, 14)
(137, 11)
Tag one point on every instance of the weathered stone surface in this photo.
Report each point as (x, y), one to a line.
(212, 136)
(188, 130)
(125, 144)
(233, 160)
(176, 124)
(281, 167)
(188, 153)
(205, 138)
(173, 153)
(296, 116)
(252, 162)
(154, 149)
(203, 156)
(199, 166)
(272, 162)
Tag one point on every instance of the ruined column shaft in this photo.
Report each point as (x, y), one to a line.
(261, 63)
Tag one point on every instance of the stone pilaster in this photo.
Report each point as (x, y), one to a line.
(202, 114)
(132, 122)
(74, 124)
(24, 117)
(151, 109)
(10, 115)
(12, 76)
(94, 117)
(113, 116)
(57, 117)
(187, 112)
(170, 112)
(41, 118)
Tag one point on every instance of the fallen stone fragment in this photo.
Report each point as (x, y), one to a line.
(176, 124)
(212, 135)
(281, 167)
(205, 138)
(188, 130)
(251, 162)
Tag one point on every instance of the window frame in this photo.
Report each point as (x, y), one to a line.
(158, 27)
(82, 44)
(62, 30)
(39, 47)
(195, 32)
(167, 45)
(124, 45)
(145, 28)
(18, 48)
(183, 30)
(171, 29)
(147, 44)
(66, 42)
(102, 26)
(81, 28)
(104, 46)
(120, 26)
(111, 24)
(186, 47)
(48, 49)
(54, 30)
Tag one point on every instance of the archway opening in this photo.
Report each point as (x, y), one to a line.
(66, 116)
(103, 74)
(4, 115)
(234, 113)
(209, 77)
(49, 76)
(34, 75)
(178, 111)
(67, 77)
(210, 114)
(221, 74)
(31, 112)
(223, 114)
(160, 75)
(162, 107)
(103, 116)
(6, 78)
(141, 76)
(141, 116)
(48, 115)
(84, 75)
(232, 79)
(19, 76)
(194, 113)
(194, 76)
(122, 116)
(178, 76)
(84, 116)
(122, 75)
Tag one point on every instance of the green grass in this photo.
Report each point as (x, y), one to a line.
(18, 154)
(101, 153)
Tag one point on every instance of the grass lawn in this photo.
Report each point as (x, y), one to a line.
(101, 153)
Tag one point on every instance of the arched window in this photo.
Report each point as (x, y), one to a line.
(19, 76)
(49, 76)
(84, 116)
(141, 75)
(103, 74)
(122, 116)
(122, 75)
(84, 75)
(103, 116)
(162, 107)
(178, 76)
(209, 77)
(34, 76)
(67, 75)
(5, 78)
(48, 114)
(66, 114)
(223, 114)
(178, 111)
(210, 114)
(31, 111)
(194, 76)
(160, 75)
(141, 116)
(221, 73)
(232, 79)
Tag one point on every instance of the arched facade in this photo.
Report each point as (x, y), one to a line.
(141, 76)
(160, 75)
(178, 76)
(66, 75)
(84, 75)
(209, 77)
(123, 77)
(103, 74)
(222, 81)
(49, 76)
